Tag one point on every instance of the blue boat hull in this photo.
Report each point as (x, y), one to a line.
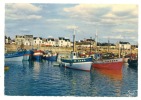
(28, 55)
(19, 55)
(51, 58)
(20, 58)
(14, 56)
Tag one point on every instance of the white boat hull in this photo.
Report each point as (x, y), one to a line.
(86, 66)
(20, 58)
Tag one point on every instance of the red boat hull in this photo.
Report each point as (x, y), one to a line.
(108, 64)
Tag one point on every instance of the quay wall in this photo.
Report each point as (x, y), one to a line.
(13, 47)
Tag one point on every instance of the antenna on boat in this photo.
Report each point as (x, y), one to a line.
(96, 40)
(73, 39)
(119, 49)
(108, 44)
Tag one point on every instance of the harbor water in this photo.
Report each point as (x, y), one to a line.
(47, 79)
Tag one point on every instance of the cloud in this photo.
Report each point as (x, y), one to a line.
(24, 30)
(125, 10)
(18, 11)
(103, 13)
(124, 30)
(54, 20)
(22, 7)
(72, 27)
(119, 37)
(34, 17)
(113, 37)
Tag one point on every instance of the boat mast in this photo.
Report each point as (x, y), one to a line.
(96, 40)
(90, 45)
(108, 44)
(119, 49)
(74, 40)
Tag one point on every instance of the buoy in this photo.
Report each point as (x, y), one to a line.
(6, 68)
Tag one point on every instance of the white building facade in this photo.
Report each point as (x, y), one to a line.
(19, 39)
(37, 41)
(28, 40)
(123, 45)
(51, 42)
(62, 42)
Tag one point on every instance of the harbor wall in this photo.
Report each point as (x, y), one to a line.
(13, 47)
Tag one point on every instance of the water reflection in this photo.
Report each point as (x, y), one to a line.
(106, 81)
(79, 81)
(111, 74)
(42, 78)
(36, 70)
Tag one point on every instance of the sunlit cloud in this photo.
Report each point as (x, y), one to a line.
(18, 11)
(115, 21)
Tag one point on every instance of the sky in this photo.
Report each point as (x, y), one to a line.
(113, 22)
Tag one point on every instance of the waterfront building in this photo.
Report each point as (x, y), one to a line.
(13, 42)
(19, 39)
(123, 45)
(57, 42)
(37, 41)
(62, 42)
(51, 42)
(44, 41)
(87, 43)
(28, 40)
(8, 40)
(67, 43)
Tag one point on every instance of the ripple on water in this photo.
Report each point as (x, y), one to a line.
(42, 79)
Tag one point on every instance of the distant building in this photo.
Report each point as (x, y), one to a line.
(44, 41)
(28, 40)
(57, 42)
(12, 41)
(67, 43)
(8, 40)
(123, 45)
(37, 41)
(19, 39)
(51, 42)
(62, 42)
(86, 43)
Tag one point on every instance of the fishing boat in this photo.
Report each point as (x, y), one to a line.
(28, 55)
(38, 55)
(111, 63)
(133, 61)
(107, 61)
(15, 56)
(50, 56)
(126, 57)
(19, 55)
(75, 62)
